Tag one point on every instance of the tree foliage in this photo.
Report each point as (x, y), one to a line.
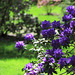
(13, 16)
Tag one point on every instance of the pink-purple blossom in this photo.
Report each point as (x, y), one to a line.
(45, 24)
(70, 9)
(19, 45)
(29, 37)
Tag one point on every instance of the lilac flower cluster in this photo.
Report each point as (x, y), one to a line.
(72, 24)
(29, 37)
(66, 61)
(65, 26)
(57, 53)
(50, 52)
(49, 60)
(67, 17)
(45, 24)
(64, 41)
(67, 32)
(48, 33)
(56, 24)
(55, 43)
(70, 9)
(71, 60)
(73, 13)
(33, 70)
(28, 66)
(19, 45)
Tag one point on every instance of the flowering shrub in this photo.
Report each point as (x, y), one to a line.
(50, 51)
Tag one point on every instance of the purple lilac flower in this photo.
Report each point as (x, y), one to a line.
(29, 37)
(67, 17)
(64, 41)
(58, 53)
(51, 33)
(62, 34)
(68, 60)
(40, 67)
(55, 43)
(28, 66)
(71, 60)
(56, 24)
(44, 59)
(66, 32)
(70, 9)
(19, 45)
(40, 64)
(48, 33)
(51, 60)
(45, 24)
(72, 24)
(73, 13)
(65, 26)
(62, 62)
(44, 33)
(50, 52)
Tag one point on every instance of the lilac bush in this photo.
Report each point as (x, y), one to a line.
(50, 48)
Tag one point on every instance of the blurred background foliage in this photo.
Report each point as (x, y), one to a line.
(13, 17)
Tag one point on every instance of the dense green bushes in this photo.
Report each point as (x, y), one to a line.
(13, 17)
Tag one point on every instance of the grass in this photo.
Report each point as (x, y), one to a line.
(40, 11)
(13, 66)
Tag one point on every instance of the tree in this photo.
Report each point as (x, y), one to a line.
(10, 18)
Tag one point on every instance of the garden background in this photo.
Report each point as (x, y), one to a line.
(17, 18)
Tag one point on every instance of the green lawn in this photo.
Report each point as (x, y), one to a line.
(40, 11)
(13, 66)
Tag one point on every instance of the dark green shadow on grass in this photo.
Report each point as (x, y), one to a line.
(8, 50)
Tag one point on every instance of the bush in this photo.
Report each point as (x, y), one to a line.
(50, 48)
(14, 18)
